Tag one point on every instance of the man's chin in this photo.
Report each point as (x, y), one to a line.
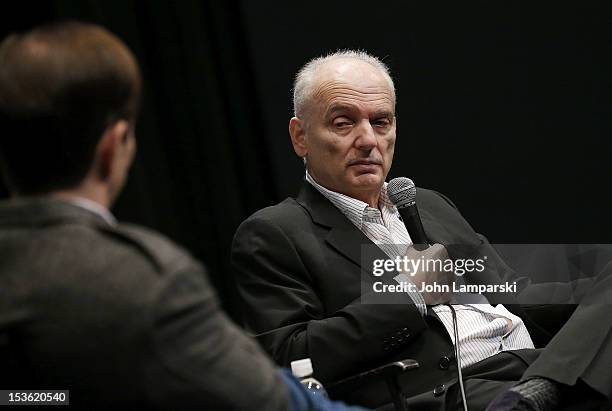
(367, 181)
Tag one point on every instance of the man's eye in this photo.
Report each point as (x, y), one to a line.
(381, 122)
(342, 123)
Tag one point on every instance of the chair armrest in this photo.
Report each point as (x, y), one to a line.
(388, 372)
(392, 369)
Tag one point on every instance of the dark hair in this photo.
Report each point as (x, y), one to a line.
(61, 86)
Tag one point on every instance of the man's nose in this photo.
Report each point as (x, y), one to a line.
(366, 137)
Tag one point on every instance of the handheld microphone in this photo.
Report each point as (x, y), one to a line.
(402, 193)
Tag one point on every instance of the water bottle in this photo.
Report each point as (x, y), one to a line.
(302, 370)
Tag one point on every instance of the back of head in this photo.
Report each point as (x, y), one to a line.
(61, 86)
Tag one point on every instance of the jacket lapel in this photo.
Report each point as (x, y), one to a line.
(343, 236)
(434, 231)
(347, 239)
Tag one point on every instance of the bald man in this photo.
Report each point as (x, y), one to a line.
(301, 272)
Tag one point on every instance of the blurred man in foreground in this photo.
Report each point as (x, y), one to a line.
(114, 313)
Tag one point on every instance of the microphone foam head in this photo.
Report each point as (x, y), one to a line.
(401, 192)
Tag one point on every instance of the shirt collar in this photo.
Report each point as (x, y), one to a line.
(94, 208)
(354, 209)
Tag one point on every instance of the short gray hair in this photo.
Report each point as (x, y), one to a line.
(304, 79)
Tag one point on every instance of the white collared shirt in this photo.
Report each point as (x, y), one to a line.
(93, 207)
(484, 330)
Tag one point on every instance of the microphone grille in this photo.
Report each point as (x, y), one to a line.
(401, 192)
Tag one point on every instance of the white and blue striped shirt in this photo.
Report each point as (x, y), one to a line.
(484, 330)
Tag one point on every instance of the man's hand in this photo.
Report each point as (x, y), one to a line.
(425, 270)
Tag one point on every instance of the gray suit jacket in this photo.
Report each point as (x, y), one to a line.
(118, 314)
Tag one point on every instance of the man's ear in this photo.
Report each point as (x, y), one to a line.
(297, 130)
(111, 146)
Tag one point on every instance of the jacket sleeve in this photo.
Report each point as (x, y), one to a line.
(202, 358)
(283, 308)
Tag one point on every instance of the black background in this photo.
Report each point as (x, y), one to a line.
(504, 106)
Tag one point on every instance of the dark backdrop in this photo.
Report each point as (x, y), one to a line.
(504, 106)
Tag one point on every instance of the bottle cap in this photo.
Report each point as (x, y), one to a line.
(301, 368)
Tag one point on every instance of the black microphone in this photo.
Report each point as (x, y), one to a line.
(402, 193)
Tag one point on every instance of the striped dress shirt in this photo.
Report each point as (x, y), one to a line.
(484, 330)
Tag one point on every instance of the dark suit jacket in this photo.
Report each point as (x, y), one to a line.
(298, 269)
(118, 314)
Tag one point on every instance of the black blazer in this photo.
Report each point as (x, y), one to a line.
(298, 270)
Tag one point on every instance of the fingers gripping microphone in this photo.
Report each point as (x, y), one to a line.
(402, 193)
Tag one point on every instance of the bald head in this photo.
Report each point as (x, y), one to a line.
(308, 81)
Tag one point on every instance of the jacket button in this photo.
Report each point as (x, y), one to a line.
(439, 390)
(444, 363)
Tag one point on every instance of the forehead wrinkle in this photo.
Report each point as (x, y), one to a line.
(336, 96)
(352, 96)
(333, 87)
(341, 98)
(350, 102)
(381, 107)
